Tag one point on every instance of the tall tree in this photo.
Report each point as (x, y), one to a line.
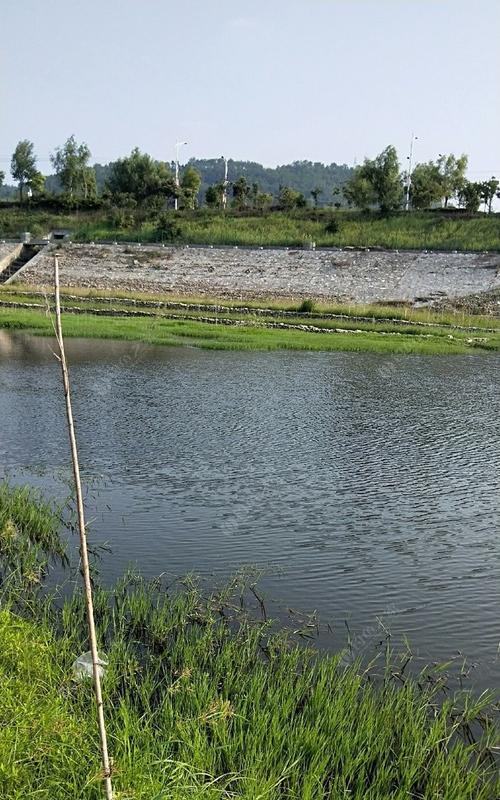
(289, 198)
(89, 183)
(37, 183)
(426, 186)
(241, 192)
(70, 163)
(254, 193)
(377, 182)
(2, 176)
(358, 191)
(140, 177)
(469, 196)
(23, 165)
(385, 176)
(214, 195)
(315, 193)
(489, 190)
(452, 172)
(190, 186)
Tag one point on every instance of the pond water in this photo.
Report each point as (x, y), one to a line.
(366, 487)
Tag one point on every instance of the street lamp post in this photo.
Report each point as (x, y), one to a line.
(408, 174)
(177, 182)
(224, 184)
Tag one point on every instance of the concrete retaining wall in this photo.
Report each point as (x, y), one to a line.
(8, 253)
(346, 275)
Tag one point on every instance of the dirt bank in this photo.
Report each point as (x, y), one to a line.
(345, 275)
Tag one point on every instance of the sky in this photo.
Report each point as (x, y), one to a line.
(272, 81)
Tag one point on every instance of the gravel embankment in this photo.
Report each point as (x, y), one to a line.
(345, 275)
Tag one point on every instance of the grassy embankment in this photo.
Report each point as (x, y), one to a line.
(202, 322)
(433, 230)
(204, 701)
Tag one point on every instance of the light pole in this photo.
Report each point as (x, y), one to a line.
(177, 146)
(224, 184)
(408, 174)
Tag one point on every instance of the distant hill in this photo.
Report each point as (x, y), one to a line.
(300, 175)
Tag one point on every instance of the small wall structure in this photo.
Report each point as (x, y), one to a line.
(9, 251)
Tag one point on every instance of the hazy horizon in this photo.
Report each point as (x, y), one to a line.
(274, 83)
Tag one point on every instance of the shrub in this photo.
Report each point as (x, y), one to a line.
(332, 226)
(307, 306)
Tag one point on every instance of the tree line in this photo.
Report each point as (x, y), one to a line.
(138, 182)
(380, 183)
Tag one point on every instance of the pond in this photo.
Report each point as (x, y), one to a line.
(366, 487)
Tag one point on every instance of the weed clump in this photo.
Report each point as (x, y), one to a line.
(307, 306)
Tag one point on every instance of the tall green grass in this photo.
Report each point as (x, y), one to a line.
(203, 700)
(433, 230)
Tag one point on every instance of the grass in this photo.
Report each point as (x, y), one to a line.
(279, 325)
(401, 311)
(205, 701)
(432, 230)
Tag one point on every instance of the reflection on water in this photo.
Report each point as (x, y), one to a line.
(367, 484)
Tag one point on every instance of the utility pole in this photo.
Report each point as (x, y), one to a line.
(224, 184)
(408, 173)
(177, 182)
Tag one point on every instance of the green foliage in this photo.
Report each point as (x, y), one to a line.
(167, 230)
(263, 201)
(28, 538)
(452, 175)
(23, 166)
(214, 195)
(315, 194)
(489, 190)
(384, 175)
(300, 175)
(358, 191)
(377, 181)
(289, 199)
(138, 176)
(70, 163)
(470, 195)
(381, 330)
(426, 185)
(332, 226)
(241, 193)
(37, 183)
(190, 186)
(433, 230)
(307, 306)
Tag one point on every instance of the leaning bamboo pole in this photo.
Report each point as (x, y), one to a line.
(83, 543)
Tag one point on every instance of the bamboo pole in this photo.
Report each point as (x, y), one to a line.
(83, 544)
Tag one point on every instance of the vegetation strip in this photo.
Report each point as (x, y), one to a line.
(215, 321)
(246, 310)
(208, 701)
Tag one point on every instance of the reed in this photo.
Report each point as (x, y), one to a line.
(209, 701)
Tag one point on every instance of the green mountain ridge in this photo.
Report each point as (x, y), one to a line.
(303, 176)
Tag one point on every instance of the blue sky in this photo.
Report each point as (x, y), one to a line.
(273, 81)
